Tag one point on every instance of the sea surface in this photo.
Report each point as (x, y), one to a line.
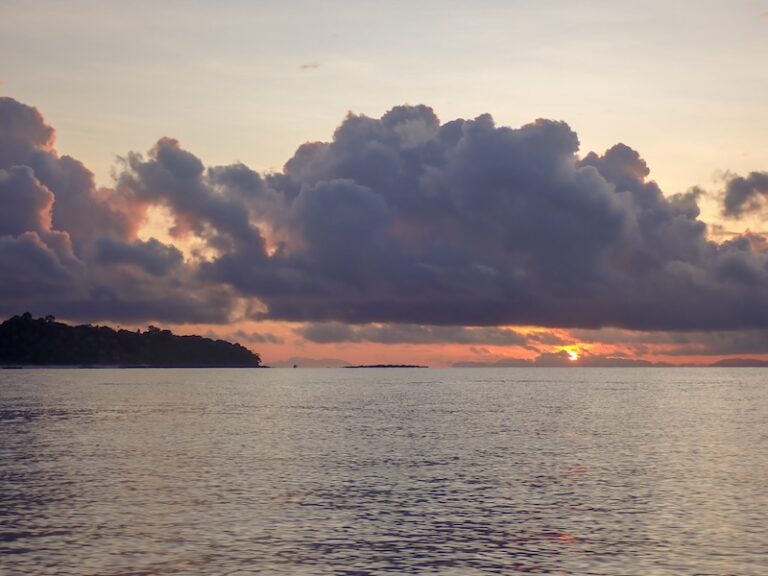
(384, 471)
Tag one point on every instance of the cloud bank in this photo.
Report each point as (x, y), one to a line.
(402, 219)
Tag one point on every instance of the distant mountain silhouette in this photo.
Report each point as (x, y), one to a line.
(25, 340)
(741, 363)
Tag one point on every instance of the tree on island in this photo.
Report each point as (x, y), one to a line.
(44, 341)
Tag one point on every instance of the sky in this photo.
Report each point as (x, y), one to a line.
(422, 182)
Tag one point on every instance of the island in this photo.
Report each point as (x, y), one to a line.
(28, 341)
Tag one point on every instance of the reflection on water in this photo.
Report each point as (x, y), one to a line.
(366, 472)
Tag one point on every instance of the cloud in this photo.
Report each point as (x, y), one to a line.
(70, 249)
(257, 337)
(398, 220)
(177, 179)
(152, 256)
(666, 343)
(35, 268)
(745, 194)
(26, 204)
(24, 132)
(722, 343)
(79, 209)
(473, 224)
(35, 260)
(335, 332)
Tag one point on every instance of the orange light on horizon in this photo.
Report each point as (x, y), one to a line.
(572, 350)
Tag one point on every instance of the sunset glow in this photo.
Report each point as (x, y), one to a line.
(354, 209)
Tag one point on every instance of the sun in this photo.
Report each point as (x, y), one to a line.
(572, 352)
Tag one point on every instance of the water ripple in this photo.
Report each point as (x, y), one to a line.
(318, 472)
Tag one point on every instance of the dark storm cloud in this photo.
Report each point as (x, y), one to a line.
(401, 219)
(335, 332)
(745, 194)
(153, 256)
(24, 203)
(35, 261)
(69, 249)
(23, 133)
(37, 268)
(136, 295)
(80, 209)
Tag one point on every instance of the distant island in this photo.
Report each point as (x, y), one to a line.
(386, 366)
(28, 341)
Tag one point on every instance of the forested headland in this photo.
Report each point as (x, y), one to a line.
(25, 340)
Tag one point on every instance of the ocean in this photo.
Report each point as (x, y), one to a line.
(578, 471)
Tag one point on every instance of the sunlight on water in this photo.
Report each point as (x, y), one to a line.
(366, 472)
